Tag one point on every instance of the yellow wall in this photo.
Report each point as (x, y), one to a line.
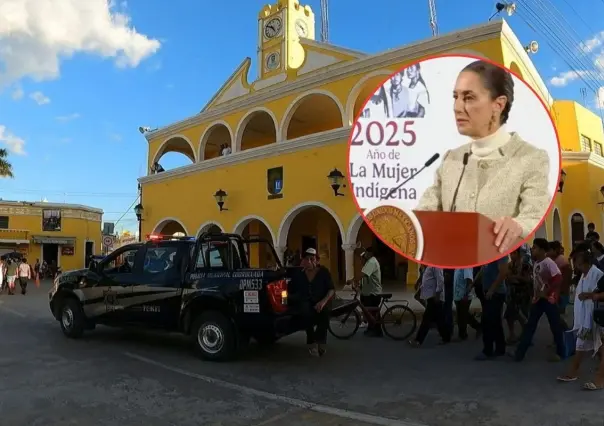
(81, 229)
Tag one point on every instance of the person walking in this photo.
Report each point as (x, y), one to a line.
(589, 333)
(11, 275)
(493, 277)
(431, 291)
(24, 272)
(463, 281)
(520, 290)
(2, 275)
(546, 292)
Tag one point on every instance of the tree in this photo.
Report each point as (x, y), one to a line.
(6, 168)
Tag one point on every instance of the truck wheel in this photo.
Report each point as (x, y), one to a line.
(72, 318)
(214, 336)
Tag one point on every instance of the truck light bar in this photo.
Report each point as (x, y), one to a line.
(160, 237)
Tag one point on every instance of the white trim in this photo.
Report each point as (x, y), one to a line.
(556, 211)
(203, 140)
(345, 69)
(246, 119)
(163, 222)
(356, 90)
(570, 226)
(542, 227)
(44, 205)
(244, 221)
(160, 152)
(313, 141)
(354, 228)
(293, 107)
(289, 217)
(204, 226)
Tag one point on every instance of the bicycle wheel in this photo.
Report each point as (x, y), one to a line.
(345, 325)
(399, 322)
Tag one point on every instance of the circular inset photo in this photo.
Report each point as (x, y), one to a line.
(454, 161)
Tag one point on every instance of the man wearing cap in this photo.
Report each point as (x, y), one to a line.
(371, 288)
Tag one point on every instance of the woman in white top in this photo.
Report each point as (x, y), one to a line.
(417, 93)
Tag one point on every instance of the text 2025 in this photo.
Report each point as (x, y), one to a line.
(393, 133)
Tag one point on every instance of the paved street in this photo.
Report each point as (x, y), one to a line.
(116, 377)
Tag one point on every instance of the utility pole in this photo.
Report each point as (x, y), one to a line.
(324, 21)
(433, 22)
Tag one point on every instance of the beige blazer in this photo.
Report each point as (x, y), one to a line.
(516, 184)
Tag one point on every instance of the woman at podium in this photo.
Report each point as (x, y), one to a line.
(497, 174)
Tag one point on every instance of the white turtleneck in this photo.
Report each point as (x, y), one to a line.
(486, 148)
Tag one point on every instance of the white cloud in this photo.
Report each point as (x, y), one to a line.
(600, 98)
(593, 43)
(13, 143)
(17, 94)
(37, 34)
(40, 98)
(69, 117)
(565, 78)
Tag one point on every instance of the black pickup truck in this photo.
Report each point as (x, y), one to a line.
(204, 288)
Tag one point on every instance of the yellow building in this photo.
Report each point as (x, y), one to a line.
(64, 233)
(288, 130)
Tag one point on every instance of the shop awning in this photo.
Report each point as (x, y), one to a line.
(11, 241)
(43, 239)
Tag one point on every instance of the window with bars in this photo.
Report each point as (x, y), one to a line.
(3, 222)
(597, 148)
(585, 144)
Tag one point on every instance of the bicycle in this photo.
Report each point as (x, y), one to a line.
(349, 311)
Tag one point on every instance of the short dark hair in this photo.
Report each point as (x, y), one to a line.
(555, 245)
(591, 225)
(583, 256)
(579, 247)
(541, 243)
(498, 81)
(598, 246)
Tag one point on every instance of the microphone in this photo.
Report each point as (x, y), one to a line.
(465, 163)
(426, 165)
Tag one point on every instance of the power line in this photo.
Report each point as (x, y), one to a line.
(126, 212)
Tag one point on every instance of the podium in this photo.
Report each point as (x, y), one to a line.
(455, 239)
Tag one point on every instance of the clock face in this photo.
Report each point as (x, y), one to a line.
(273, 60)
(301, 28)
(273, 28)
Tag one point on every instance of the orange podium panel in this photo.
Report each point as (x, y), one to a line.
(456, 239)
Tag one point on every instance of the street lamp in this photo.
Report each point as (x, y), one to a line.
(562, 180)
(138, 211)
(335, 180)
(221, 197)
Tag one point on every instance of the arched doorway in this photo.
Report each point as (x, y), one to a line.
(260, 255)
(214, 138)
(213, 227)
(577, 229)
(258, 128)
(170, 226)
(174, 152)
(557, 225)
(312, 113)
(314, 225)
(541, 232)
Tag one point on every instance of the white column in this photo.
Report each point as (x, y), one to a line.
(280, 253)
(349, 260)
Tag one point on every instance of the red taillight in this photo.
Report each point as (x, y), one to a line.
(277, 295)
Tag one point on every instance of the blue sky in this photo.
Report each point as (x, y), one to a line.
(76, 119)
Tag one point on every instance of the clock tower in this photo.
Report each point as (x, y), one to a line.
(280, 28)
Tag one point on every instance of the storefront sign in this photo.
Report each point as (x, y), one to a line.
(41, 239)
(67, 250)
(274, 182)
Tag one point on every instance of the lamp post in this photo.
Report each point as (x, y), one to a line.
(221, 197)
(562, 180)
(138, 211)
(335, 180)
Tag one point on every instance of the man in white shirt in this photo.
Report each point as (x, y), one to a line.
(24, 275)
(371, 288)
(432, 287)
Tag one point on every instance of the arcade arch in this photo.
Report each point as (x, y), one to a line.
(312, 112)
(216, 135)
(257, 128)
(170, 226)
(259, 255)
(361, 91)
(557, 226)
(172, 151)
